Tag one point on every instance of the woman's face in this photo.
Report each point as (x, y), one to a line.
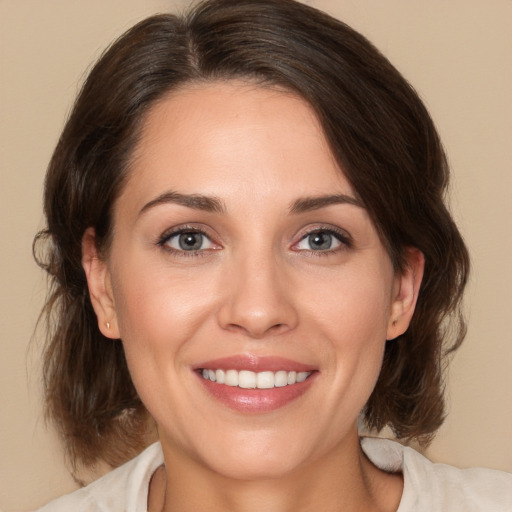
(241, 253)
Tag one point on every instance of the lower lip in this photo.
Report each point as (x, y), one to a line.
(257, 400)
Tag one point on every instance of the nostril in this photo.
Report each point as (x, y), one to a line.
(256, 314)
(257, 331)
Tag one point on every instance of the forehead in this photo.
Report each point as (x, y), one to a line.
(215, 138)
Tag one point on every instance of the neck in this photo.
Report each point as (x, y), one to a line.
(344, 479)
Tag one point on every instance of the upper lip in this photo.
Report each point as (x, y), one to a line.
(255, 363)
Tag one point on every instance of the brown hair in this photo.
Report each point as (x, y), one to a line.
(380, 133)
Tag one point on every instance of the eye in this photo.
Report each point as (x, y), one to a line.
(322, 240)
(187, 241)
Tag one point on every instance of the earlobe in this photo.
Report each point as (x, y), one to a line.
(406, 290)
(100, 287)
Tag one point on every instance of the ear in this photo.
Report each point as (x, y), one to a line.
(405, 293)
(100, 286)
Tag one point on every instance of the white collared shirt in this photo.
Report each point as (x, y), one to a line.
(428, 487)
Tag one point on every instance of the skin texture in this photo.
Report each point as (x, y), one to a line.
(257, 287)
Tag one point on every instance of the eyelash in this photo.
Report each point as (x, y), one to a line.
(165, 237)
(341, 236)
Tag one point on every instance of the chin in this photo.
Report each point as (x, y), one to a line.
(265, 468)
(252, 459)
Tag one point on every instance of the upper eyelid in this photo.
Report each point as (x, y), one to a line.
(177, 231)
(344, 235)
(169, 233)
(330, 229)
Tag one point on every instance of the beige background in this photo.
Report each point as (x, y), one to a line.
(457, 53)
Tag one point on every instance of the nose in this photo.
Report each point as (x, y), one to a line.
(257, 298)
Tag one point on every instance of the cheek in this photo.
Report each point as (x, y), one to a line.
(354, 306)
(163, 314)
(156, 305)
(353, 316)
(159, 313)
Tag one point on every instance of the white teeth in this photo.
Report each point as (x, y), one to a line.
(220, 376)
(265, 380)
(246, 379)
(231, 378)
(281, 379)
(252, 380)
(302, 376)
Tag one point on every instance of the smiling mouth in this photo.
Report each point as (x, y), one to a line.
(247, 379)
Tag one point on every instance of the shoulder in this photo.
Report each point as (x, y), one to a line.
(125, 488)
(429, 486)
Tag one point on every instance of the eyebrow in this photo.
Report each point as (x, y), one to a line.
(196, 201)
(213, 204)
(307, 204)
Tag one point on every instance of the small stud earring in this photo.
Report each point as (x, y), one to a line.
(107, 324)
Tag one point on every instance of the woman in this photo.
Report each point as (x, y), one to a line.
(249, 245)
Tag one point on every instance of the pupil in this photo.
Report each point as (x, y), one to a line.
(320, 240)
(190, 241)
